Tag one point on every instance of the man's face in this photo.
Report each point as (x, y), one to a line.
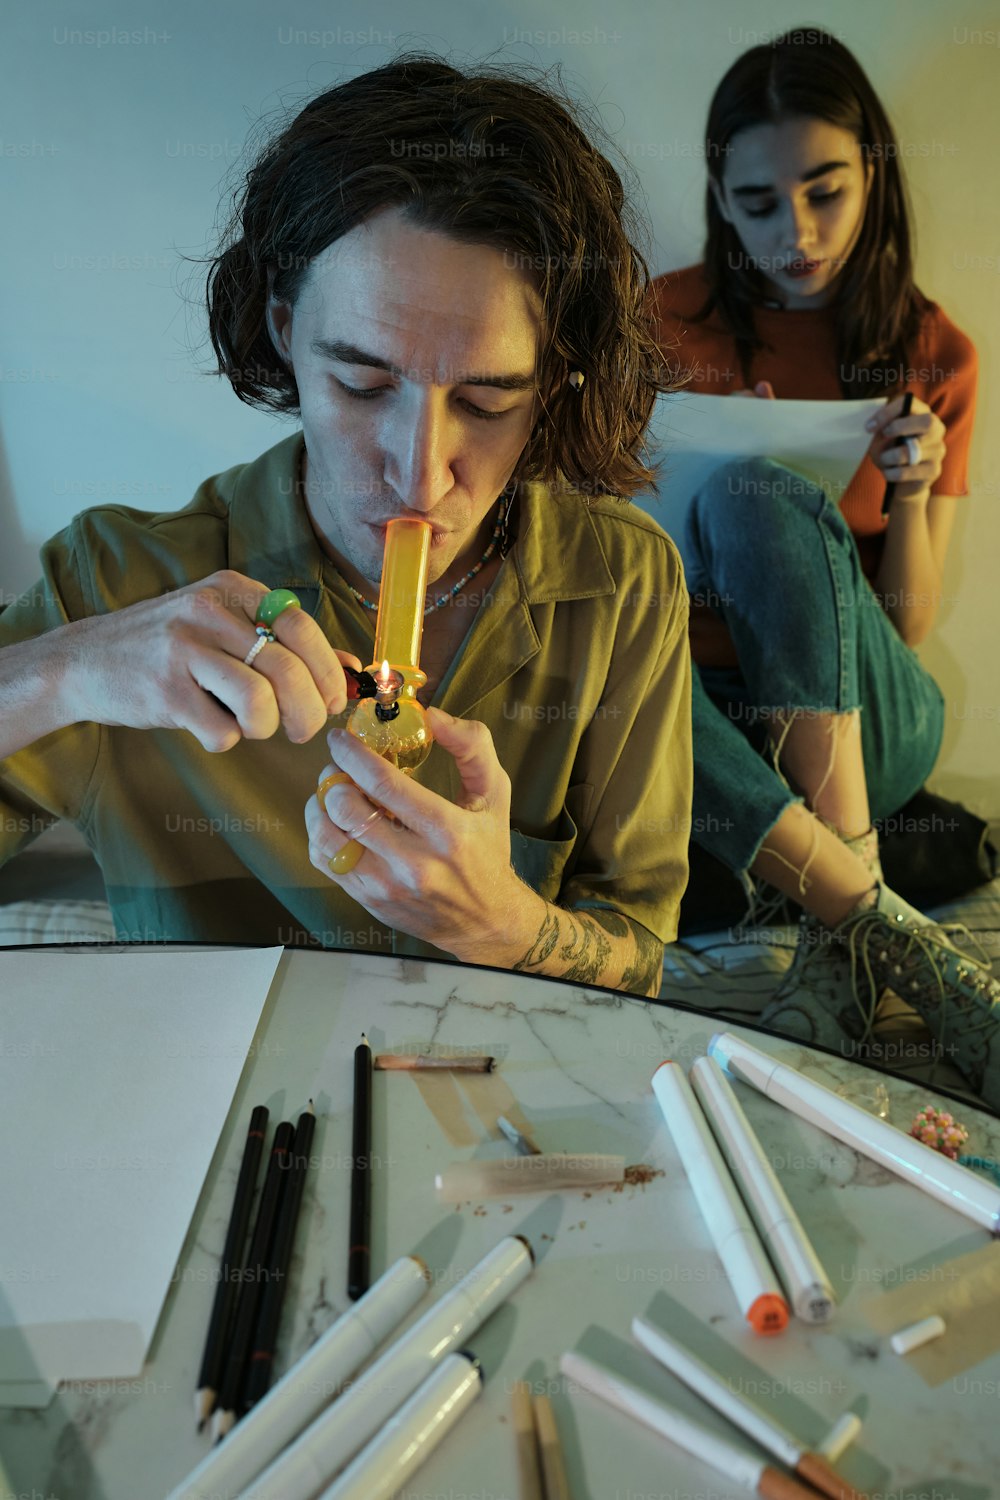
(414, 357)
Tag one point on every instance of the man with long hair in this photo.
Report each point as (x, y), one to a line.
(434, 272)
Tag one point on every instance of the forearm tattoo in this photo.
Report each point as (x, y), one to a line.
(588, 948)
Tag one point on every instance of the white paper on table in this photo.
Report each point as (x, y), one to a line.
(33, 1395)
(823, 440)
(117, 1073)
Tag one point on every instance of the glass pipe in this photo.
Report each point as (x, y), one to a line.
(393, 723)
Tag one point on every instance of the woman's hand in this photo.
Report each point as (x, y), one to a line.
(177, 662)
(886, 450)
(435, 870)
(763, 388)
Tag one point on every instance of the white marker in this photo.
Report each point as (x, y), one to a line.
(503, 1175)
(811, 1468)
(735, 1238)
(308, 1386)
(739, 1465)
(786, 1242)
(917, 1334)
(974, 1196)
(336, 1436)
(409, 1438)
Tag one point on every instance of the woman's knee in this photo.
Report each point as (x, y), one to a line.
(745, 494)
(754, 507)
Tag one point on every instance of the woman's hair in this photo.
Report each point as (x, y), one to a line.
(809, 73)
(487, 159)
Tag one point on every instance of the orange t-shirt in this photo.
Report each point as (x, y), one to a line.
(800, 360)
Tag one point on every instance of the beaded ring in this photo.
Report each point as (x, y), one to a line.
(264, 638)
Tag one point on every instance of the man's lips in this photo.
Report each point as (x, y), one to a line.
(439, 534)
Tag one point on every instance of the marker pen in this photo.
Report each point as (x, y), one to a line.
(736, 1240)
(409, 1438)
(335, 1437)
(311, 1383)
(786, 1242)
(739, 1465)
(810, 1467)
(974, 1196)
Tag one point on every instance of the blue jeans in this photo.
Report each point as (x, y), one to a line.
(778, 562)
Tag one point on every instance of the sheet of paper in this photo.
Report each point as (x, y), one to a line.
(33, 1395)
(117, 1072)
(693, 435)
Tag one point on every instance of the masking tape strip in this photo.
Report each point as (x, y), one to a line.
(965, 1292)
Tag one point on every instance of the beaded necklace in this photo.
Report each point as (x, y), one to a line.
(498, 531)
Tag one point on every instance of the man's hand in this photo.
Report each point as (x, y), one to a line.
(436, 870)
(442, 872)
(177, 662)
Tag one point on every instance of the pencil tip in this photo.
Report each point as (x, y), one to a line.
(222, 1421)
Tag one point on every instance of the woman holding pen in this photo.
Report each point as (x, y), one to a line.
(805, 613)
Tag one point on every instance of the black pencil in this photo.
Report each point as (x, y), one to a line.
(220, 1323)
(258, 1260)
(359, 1251)
(269, 1314)
(890, 489)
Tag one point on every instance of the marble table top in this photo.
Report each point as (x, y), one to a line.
(577, 1063)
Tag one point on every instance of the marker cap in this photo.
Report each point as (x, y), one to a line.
(918, 1334)
(841, 1435)
(768, 1314)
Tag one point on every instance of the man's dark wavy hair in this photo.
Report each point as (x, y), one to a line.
(484, 158)
(808, 72)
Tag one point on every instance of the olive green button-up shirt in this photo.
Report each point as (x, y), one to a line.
(577, 661)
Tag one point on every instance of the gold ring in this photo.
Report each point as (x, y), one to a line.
(347, 856)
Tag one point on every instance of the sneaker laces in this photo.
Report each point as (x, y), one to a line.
(764, 903)
(815, 940)
(923, 940)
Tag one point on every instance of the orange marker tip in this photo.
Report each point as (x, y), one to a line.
(768, 1314)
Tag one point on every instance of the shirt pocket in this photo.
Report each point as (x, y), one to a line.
(541, 862)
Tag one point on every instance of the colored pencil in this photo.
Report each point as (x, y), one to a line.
(359, 1242)
(220, 1323)
(269, 1313)
(258, 1259)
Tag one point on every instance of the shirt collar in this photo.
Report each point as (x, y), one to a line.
(557, 553)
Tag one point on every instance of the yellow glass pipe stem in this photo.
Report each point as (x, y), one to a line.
(399, 626)
(400, 623)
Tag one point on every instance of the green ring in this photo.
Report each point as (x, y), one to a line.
(275, 603)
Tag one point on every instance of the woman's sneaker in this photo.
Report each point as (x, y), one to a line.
(818, 1001)
(891, 945)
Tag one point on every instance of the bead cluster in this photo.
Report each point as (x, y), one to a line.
(941, 1131)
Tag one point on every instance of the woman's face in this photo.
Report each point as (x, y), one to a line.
(796, 193)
